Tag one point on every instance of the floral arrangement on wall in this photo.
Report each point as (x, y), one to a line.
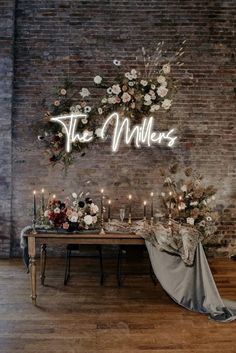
(187, 200)
(135, 93)
(73, 214)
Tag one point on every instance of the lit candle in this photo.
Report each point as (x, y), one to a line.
(144, 209)
(109, 210)
(102, 220)
(42, 202)
(53, 196)
(130, 198)
(102, 191)
(34, 193)
(151, 204)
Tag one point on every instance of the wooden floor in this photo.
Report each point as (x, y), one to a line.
(87, 318)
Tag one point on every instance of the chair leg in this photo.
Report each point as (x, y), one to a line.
(119, 267)
(67, 269)
(101, 265)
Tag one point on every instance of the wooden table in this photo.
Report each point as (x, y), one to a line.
(46, 238)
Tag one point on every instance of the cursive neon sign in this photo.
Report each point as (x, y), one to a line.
(140, 134)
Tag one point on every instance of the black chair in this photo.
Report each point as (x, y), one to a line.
(75, 247)
(123, 249)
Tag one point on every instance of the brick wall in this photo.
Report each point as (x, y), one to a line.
(6, 76)
(57, 39)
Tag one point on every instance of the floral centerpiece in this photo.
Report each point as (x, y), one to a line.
(73, 214)
(188, 201)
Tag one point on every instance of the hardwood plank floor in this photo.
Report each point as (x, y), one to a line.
(84, 317)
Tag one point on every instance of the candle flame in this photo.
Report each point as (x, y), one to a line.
(152, 194)
(109, 201)
(144, 202)
(170, 193)
(54, 196)
(34, 192)
(102, 191)
(42, 190)
(130, 197)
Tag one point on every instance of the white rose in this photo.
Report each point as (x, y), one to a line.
(190, 221)
(98, 132)
(166, 104)
(162, 91)
(133, 73)
(166, 68)
(88, 220)
(161, 79)
(74, 195)
(147, 97)
(74, 218)
(93, 208)
(154, 108)
(97, 79)
(116, 89)
(80, 214)
(128, 75)
(184, 188)
(143, 83)
(57, 210)
(84, 92)
(46, 213)
(126, 97)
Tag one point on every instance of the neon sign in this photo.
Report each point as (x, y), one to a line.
(140, 134)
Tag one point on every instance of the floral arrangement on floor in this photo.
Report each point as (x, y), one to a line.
(73, 214)
(137, 92)
(188, 201)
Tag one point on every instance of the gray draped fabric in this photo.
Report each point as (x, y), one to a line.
(192, 287)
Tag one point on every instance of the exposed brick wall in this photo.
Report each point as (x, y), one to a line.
(7, 8)
(55, 39)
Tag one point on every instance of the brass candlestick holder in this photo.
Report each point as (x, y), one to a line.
(102, 231)
(151, 221)
(34, 226)
(129, 219)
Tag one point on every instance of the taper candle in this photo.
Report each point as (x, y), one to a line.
(34, 204)
(151, 204)
(102, 191)
(109, 210)
(130, 198)
(42, 202)
(144, 210)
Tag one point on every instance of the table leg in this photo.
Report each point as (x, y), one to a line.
(32, 254)
(43, 262)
